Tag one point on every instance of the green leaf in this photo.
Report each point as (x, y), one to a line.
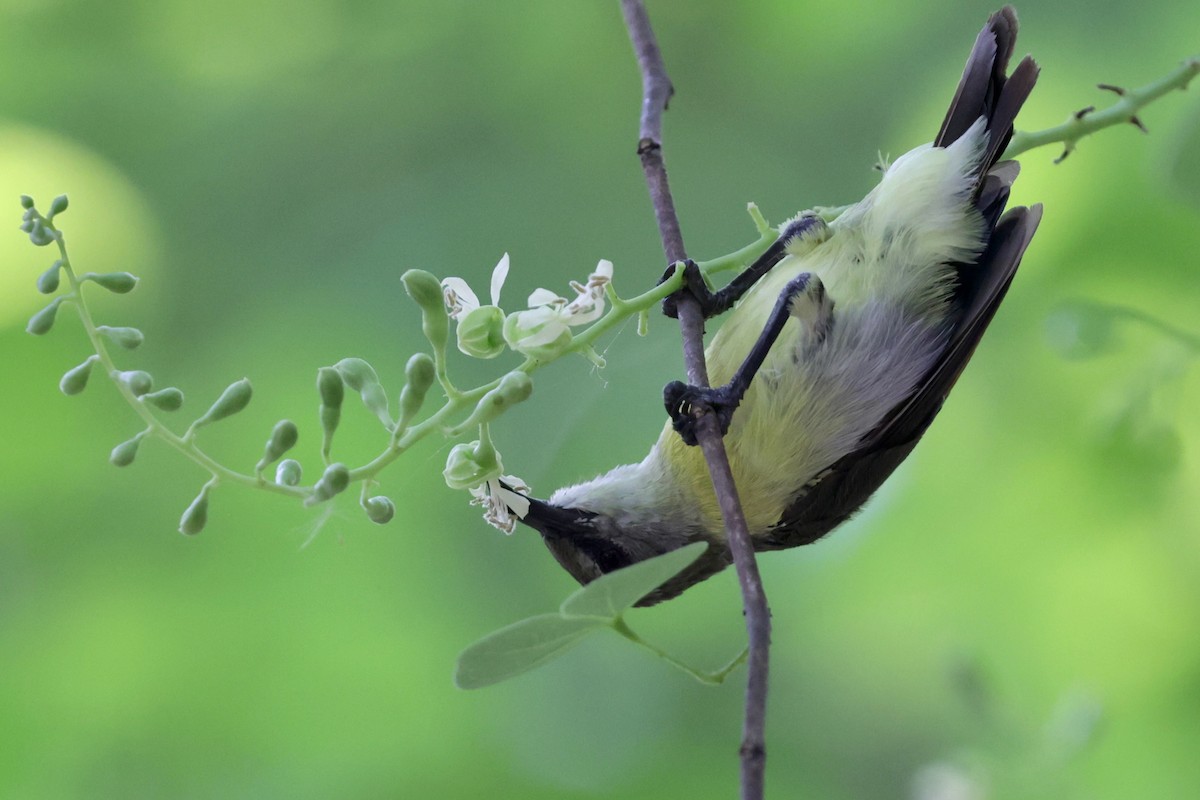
(520, 647)
(611, 594)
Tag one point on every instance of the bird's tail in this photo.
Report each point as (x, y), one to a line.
(986, 90)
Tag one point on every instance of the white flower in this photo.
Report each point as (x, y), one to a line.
(460, 300)
(544, 329)
(501, 501)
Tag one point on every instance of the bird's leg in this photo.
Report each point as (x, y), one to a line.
(804, 297)
(807, 225)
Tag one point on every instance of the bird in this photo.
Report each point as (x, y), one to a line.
(843, 341)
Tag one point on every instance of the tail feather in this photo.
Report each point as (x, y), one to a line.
(985, 89)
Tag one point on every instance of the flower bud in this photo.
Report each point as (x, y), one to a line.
(423, 288)
(356, 373)
(330, 387)
(469, 465)
(47, 282)
(332, 390)
(289, 472)
(58, 205)
(123, 454)
(481, 332)
(115, 282)
(137, 381)
(235, 397)
(333, 481)
(75, 380)
(514, 388)
(537, 333)
(169, 399)
(361, 377)
(43, 321)
(420, 372)
(283, 438)
(26, 201)
(39, 234)
(196, 515)
(379, 509)
(426, 290)
(129, 338)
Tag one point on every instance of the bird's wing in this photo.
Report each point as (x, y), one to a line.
(837, 492)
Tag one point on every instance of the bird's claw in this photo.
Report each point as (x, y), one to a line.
(686, 404)
(693, 283)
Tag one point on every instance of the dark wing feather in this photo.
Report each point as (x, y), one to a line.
(838, 492)
(984, 91)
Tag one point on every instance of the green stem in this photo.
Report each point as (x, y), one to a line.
(709, 678)
(1086, 122)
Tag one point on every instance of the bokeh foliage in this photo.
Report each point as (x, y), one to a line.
(270, 169)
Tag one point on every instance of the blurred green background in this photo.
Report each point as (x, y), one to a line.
(270, 169)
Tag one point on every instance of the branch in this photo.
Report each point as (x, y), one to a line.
(656, 91)
(1088, 120)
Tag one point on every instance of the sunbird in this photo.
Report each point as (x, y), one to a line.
(844, 340)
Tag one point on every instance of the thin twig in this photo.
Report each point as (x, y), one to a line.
(656, 91)
(1088, 120)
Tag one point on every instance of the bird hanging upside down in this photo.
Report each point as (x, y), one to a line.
(856, 331)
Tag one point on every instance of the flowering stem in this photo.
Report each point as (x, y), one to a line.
(184, 444)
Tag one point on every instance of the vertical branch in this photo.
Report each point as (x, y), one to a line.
(656, 91)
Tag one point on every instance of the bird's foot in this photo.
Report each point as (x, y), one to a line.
(686, 404)
(693, 284)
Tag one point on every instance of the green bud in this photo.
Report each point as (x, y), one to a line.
(514, 388)
(39, 234)
(375, 399)
(123, 454)
(138, 381)
(115, 282)
(47, 282)
(379, 509)
(529, 333)
(169, 399)
(330, 386)
(332, 390)
(356, 373)
(361, 377)
(43, 321)
(333, 481)
(75, 380)
(420, 373)
(469, 465)
(289, 472)
(481, 332)
(235, 397)
(26, 201)
(129, 338)
(58, 205)
(426, 290)
(283, 438)
(196, 515)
